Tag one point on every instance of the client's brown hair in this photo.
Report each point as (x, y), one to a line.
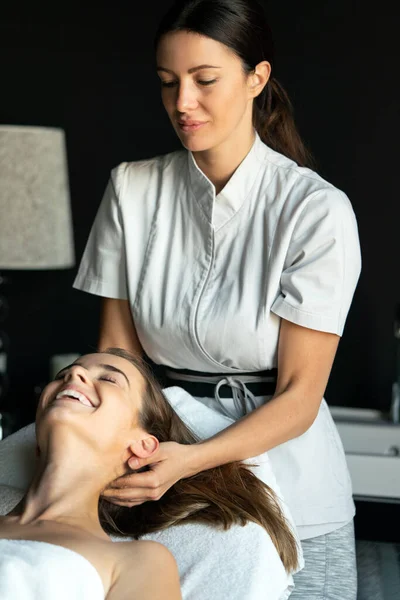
(222, 496)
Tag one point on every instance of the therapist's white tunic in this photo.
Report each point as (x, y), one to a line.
(209, 277)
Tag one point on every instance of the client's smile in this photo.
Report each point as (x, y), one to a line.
(74, 394)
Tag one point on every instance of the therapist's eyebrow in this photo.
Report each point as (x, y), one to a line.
(105, 366)
(192, 70)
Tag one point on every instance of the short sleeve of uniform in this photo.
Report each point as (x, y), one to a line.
(102, 270)
(322, 265)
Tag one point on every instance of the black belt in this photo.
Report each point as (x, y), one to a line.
(194, 382)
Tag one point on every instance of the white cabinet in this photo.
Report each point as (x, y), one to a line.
(372, 447)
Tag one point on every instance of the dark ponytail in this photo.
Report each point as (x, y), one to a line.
(274, 121)
(241, 25)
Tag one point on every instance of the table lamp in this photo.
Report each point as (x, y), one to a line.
(35, 213)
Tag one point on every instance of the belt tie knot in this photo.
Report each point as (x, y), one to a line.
(243, 399)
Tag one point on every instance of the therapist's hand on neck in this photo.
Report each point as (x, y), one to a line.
(170, 463)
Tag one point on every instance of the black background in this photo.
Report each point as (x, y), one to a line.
(91, 72)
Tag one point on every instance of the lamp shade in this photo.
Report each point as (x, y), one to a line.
(35, 214)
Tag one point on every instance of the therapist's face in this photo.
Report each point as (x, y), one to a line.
(205, 90)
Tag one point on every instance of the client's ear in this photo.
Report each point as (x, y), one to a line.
(146, 447)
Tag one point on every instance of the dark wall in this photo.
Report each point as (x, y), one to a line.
(93, 75)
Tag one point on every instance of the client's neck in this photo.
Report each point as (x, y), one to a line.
(66, 486)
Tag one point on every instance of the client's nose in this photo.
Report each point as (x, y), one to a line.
(77, 372)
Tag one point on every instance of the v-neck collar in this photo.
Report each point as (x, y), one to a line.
(219, 209)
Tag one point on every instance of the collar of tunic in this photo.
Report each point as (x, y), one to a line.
(220, 208)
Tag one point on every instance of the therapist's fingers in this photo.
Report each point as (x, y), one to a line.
(132, 495)
(138, 463)
(138, 495)
(148, 479)
(125, 504)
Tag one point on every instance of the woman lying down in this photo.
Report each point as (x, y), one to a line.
(97, 414)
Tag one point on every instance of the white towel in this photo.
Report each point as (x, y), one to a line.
(41, 571)
(238, 564)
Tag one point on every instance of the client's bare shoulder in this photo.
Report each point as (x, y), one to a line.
(145, 570)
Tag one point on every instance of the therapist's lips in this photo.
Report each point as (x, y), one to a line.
(189, 126)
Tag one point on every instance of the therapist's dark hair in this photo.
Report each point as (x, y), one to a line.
(223, 496)
(241, 25)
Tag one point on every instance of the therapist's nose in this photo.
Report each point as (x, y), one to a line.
(186, 99)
